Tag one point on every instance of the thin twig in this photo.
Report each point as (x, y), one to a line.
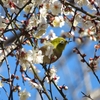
(50, 89)
(88, 64)
(5, 91)
(39, 81)
(60, 91)
(88, 96)
(66, 3)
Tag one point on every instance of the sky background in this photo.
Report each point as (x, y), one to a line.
(73, 73)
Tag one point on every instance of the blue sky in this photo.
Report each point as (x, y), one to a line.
(72, 72)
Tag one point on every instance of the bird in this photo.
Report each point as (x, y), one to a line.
(55, 48)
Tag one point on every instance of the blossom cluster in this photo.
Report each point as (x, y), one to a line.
(54, 13)
(32, 19)
(32, 56)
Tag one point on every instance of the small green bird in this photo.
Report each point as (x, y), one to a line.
(53, 51)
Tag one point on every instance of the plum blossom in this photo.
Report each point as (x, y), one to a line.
(24, 58)
(12, 3)
(42, 25)
(55, 7)
(32, 56)
(43, 11)
(32, 22)
(63, 87)
(81, 2)
(37, 56)
(87, 24)
(1, 84)
(24, 95)
(35, 68)
(97, 2)
(51, 35)
(58, 21)
(77, 20)
(69, 11)
(51, 75)
(28, 8)
(37, 2)
(34, 84)
(3, 22)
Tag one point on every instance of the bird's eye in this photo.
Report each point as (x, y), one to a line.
(62, 42)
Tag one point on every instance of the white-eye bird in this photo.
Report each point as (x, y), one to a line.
(57, 46)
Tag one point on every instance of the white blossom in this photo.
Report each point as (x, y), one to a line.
(34, 84)
(1, 84)
(58, 21)
(51, 75)
(51, 36)
(32, 56)
(97, 2)
(32, 22)
(24, 58)
(37, 56)
(35, 68)
(11, 3)
(28, 8)
(81, 2)
(2, 22)
(68, 12)
(87, 24)
(77, 20)
(75, 23)
(56, 7)
(42, 23)
(43, 11)
(90, 5)
(24, 95)
(37, 2)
